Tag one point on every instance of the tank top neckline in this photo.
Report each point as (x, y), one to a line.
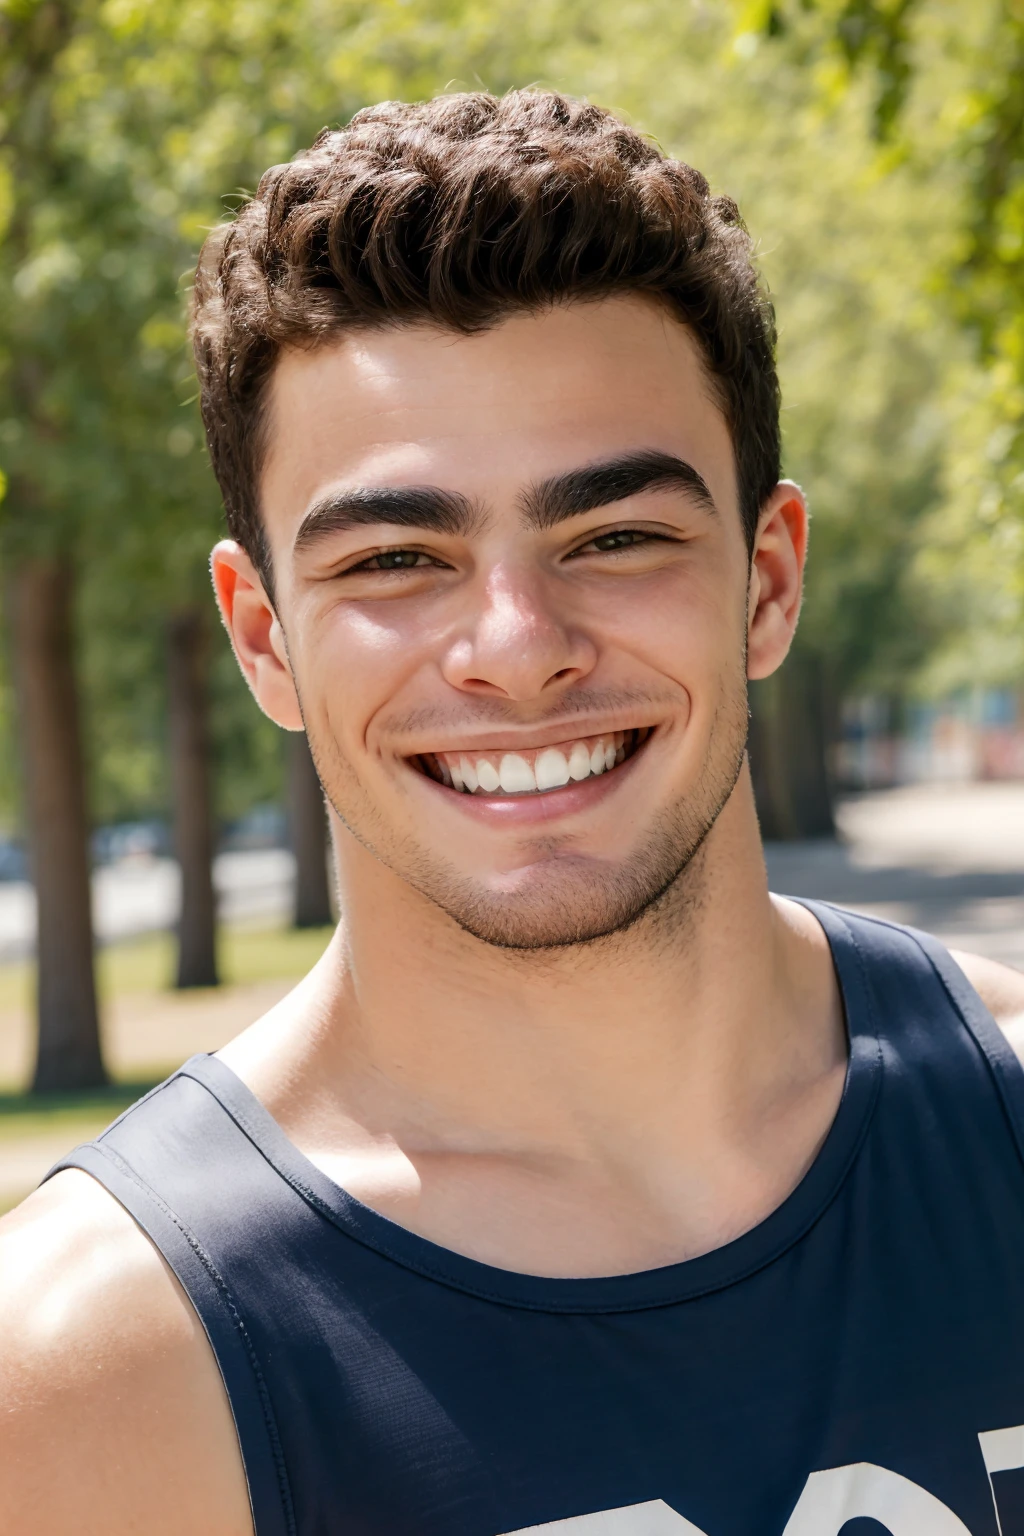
(666, 1285)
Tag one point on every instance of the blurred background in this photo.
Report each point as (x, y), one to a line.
(163, 862)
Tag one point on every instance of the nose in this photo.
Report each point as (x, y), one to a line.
(518, 645)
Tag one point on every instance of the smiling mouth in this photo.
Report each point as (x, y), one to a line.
(535, 771)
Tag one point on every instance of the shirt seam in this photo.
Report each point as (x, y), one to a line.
(226, 1297)
(454, 1282)
(994, 1067)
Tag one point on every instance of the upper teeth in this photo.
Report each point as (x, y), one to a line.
(534, 772)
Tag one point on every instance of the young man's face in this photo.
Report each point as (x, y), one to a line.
(513, 584)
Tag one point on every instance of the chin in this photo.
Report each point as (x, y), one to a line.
(562, 902)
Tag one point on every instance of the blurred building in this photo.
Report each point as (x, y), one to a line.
(975, 734)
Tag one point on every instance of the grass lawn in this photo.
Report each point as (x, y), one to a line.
(136, 968)
(147, 964)
(81, 1115)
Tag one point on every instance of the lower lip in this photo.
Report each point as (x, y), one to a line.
(526, 810)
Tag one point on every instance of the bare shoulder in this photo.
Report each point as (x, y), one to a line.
(1001, 989)
(113, 1417)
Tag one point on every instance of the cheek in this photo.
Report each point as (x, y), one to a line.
(356, 662)
(688, 627)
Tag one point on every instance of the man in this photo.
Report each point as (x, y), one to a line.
(582, 1185)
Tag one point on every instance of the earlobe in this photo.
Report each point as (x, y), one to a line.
(776, 579)
(255, 633)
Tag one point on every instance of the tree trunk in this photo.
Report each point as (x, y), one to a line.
(789, 744)
(307, 821)
(193, 812)
(68, 1053)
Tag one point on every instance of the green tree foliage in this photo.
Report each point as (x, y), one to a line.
(130, 128)
(149, 120)
(946, 87)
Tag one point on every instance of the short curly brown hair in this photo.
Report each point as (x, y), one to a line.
(458, 212)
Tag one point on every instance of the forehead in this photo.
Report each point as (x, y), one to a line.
(485, 414)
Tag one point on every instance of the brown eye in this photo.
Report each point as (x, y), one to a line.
(619, 538)
(622, 538)
(394, 560)
(397, 559)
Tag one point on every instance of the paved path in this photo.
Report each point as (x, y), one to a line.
(143, 896)
(26, 1160)
(947, 859)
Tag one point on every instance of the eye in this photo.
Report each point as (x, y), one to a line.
(618, 538)
(394, 560)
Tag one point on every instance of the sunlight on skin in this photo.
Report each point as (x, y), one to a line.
(512, 637)
(501, 635)
(508, 636)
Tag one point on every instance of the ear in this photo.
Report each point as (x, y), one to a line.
(776, 579)
(256, 634)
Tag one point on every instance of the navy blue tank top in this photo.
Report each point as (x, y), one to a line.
(853, 1364)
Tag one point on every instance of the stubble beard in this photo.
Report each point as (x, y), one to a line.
(572, 901)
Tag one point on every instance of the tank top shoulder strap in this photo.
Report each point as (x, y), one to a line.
(156, 1161)
(914, 987)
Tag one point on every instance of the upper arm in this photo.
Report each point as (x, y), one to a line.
(113, 1415)
(1001, 989)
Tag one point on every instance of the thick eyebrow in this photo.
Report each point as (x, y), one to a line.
(406, 506)
(611, 480)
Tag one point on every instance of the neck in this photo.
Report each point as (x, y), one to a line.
(700, 1004)
(678, 1043)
